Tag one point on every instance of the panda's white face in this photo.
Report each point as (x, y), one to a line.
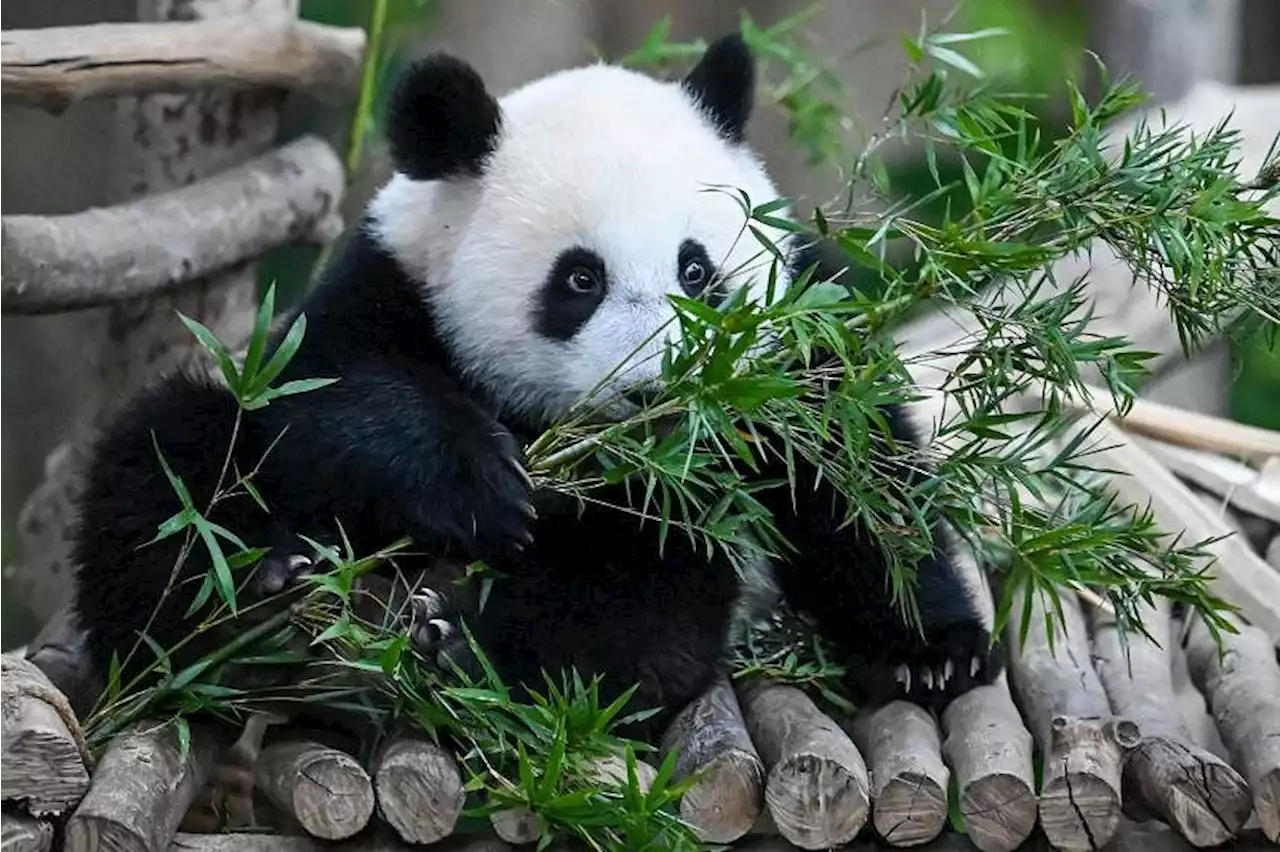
(553, 264)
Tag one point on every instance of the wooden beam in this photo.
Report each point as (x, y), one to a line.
(109, 255)
(55, 67)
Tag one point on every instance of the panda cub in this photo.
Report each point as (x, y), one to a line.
(524, 247)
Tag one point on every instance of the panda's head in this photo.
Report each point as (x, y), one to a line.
(547, 228)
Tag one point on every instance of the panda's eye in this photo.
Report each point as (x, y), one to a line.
(583, 281)
(694, 274)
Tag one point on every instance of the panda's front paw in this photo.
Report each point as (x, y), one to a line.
(933, 671)
(496, 501)
(433, 628)
(953, 660)
(280, 571)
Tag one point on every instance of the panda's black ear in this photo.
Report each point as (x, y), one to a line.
(441, 120)
(724, 83)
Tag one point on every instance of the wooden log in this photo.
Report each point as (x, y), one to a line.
(106, 255)
(989, 749)
(1242, 687)
(55, 67)
(419, 789)
(712, 739)
(1166, 775)
(321, 788)
(909, 781)
(817, 787)
(367, 842)
(141, 789)
(1067, 711)
(44, 761)
(1245, 488)
(1185, 428)
(23, 833)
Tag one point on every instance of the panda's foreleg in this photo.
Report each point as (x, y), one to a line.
(839, 576)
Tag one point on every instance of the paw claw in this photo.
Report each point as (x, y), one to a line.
(948, 670)
(974, 665)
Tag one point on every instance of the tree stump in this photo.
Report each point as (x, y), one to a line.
(141, 789)
(419, 789)
(816, 789)
(990, 751)
(908, 778)
(324, 790)
(43, 757)
(1166, 775)
(1067, 711)
(712, 738)
(1242, 687)
(22, 833)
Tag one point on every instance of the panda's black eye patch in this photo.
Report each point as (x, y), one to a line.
(696, 272)
(574, 288)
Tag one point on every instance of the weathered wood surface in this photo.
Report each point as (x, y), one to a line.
(418, 788)
(909, 780)
(1166, 775)
(1067, 711)
(59, 650)
(55, 67)
(1248, 489)
(1241, 576)
(817, 785)
(990, 750)
(712, 738)
(324, 790)
(22, 833)
(112, 254)
(141, 789)
(1242, 687)
(368, 842)
(44, 762)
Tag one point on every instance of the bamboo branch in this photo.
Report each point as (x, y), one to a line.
(1240, 575)
(1166, 774)
(106, 255)
(1185, 428)
(55, 67)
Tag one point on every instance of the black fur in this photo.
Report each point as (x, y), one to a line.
(403, 445)
(441, 120)
(723, 83)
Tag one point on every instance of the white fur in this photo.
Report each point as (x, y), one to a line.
(599, 157)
